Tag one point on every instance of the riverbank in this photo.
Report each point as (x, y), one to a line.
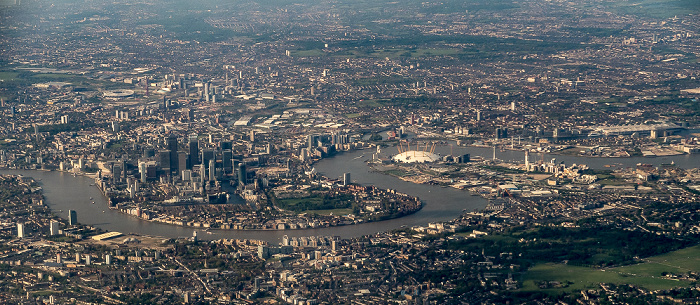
(366, 204)
(65, 192)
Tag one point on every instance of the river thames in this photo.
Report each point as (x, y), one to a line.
(65, 192)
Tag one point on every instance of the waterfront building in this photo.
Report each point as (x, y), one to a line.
(53, 228)
(72, 217)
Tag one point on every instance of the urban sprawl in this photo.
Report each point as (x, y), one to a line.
(215, 115)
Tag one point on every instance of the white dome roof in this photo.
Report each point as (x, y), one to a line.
(416, 156)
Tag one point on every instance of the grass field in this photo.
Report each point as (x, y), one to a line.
(59, 77)
(648, 274)
(40, 77)
(396, 53)
(371, 103)
(6, 76)
(318, 204)
(656, 8)
(396, 172)
(676, 262)
(291, 202)
(381, 53)
(688, 258)
(575, 278)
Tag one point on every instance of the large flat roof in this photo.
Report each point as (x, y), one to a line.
(107, 235)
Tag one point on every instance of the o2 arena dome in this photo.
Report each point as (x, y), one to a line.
(416, 156)
(406, 155)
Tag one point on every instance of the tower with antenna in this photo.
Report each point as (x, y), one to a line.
(527, 160)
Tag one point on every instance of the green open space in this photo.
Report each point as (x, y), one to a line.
(411, 44)
(397, 172)
(372, 103)
(6, 75)
(415, 6)
(293, 202)
(651, 274)
(574, 151)
(316, 203)
(588, 246)
(677, 262)
(655, 8)
(191, 25)
(27, 77)
(688, 258)
(44, 293)
(53, 76)
(574, 278)
(394, 53)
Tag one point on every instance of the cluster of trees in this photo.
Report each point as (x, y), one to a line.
(325, 202)
(596, 247)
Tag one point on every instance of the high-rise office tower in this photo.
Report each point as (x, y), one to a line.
(72, 217)
(207, 154)
(242, 174)
(164, 158)
(312, 139)
(227, 160)
(212, 170)
(194, 151)
(53, 228)
(182, 159)
(226, 145)
(142, 172)
(171, 146)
